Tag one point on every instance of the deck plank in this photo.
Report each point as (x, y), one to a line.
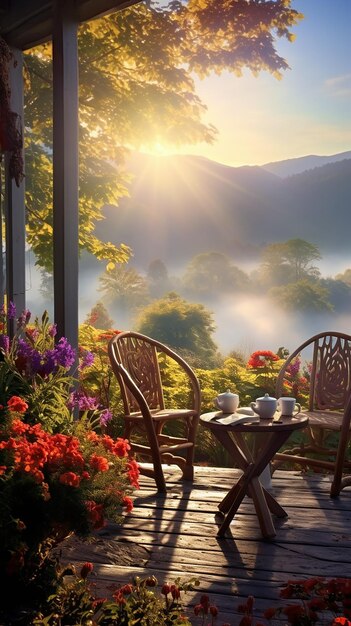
(174, 534)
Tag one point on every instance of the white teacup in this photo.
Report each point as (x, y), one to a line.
(288, 406)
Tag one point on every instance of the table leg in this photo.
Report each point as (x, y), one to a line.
(273, 505)
(249, 483)
(257, 494)
(234, 498)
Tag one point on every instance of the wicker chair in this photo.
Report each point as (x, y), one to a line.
(135, 362)
(329, 406)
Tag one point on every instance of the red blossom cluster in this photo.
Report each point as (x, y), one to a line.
(31, 451)
(316, 595)
(262, 358)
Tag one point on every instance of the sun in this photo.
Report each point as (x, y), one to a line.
(159, 149)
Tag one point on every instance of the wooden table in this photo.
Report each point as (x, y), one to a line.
(269, 436)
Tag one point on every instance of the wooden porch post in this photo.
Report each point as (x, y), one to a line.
(65, 164)
(14, 202)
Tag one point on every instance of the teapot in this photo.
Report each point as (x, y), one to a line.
(265, 406)
(227, 402)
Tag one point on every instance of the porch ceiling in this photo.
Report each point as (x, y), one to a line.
(25, 23)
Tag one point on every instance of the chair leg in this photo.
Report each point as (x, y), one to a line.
(337, 483)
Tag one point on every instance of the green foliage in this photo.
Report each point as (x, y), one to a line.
(289, 262)
(345, 277)
(181, 325)
(98, 380)
(303, 295)
(124, 287)
(34, 368)
(99, 317)
(137, 89)
(213, 274)
(134, 604)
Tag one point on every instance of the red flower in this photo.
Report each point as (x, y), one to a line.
(86, 569)
(17, 405)
(99, 463)
(128, 503)
(95, 512)
(261, 358)
(70, 478)
(175, 592)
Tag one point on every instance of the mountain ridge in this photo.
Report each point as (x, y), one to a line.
(183, 205)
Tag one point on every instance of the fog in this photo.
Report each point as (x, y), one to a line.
(243, 322)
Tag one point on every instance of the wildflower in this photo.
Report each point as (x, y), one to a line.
(4, 343)
(65, 354)
(11, 311)
(52, 330)
(87, 360)
(17, 405)
(86, 569)
(105, 417)
(23, 318)
(262, 358)
(70, 478)
(121, 447)
(99, 463)
(127, 503)
(175, 592)
(133, 473)
(95, 512)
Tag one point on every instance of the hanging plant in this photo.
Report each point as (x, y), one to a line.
(11, 136)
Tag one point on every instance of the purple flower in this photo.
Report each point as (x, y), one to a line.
(105, 417)
(11, 311)
(23, 318)
(5, 343)
(87, 360)
(64, 353)
(294, 367)
(82, 401)
(53, 330)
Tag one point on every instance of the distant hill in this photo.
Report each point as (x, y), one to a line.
(181, 206)
(289, 167)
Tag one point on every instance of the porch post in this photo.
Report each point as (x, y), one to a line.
(14, 201)
(65, 166)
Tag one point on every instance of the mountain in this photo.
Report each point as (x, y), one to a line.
(181, 206)
(289, 167)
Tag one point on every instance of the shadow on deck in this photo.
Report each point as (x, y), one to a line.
(174, 535)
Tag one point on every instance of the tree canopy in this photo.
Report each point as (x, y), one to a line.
(289, 261)
(137, 89)
(184, 326)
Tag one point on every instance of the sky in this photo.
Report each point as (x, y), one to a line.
(307, 112)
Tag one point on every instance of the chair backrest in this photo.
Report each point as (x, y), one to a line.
(138, 354)
(330, 375)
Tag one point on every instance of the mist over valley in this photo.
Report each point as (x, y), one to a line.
(183, 206)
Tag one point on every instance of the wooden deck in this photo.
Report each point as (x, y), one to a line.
(175, 535)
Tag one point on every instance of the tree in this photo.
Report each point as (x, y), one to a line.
(303, 295)
(99, 317)
(124, 287)
(345, 277)
(137, 89)
(289, 261)
(211, 274)
(158, 279)
(184, 326)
